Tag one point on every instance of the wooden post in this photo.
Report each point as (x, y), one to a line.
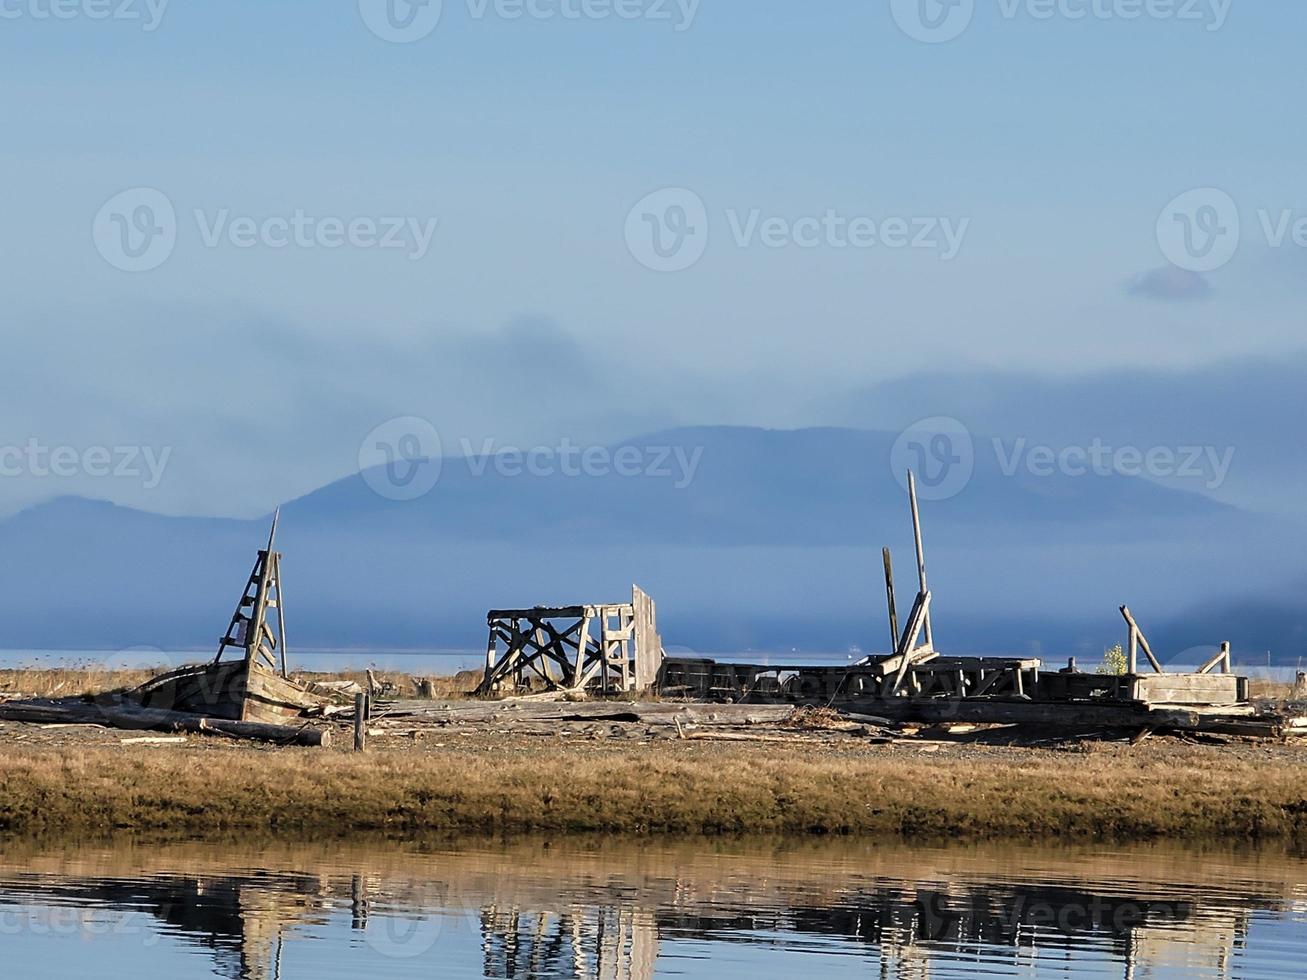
(929, 633)
(893, 607)
(360, 722)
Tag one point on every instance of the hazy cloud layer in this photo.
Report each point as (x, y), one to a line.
(1170, 283)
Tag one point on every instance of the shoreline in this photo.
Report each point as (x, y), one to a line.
(484, 770)
(1164, 789)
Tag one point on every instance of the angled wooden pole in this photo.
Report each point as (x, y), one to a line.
(921, 553)
(1139, 642)
(893, 606)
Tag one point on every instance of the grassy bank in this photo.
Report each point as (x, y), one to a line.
(66, 682)
(1162, 790)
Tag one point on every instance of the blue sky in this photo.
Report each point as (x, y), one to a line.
(1055, 142)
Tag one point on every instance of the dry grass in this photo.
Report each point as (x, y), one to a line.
(1278, 691)
(506, 785)
(72, 682)
(69, 682)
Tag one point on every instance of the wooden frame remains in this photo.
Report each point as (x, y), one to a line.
(253, 686)
(249, 630)
(603, 649)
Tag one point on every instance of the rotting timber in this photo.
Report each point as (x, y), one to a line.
(250, 697)
(915, 683)
(255, 686)
(552, 650)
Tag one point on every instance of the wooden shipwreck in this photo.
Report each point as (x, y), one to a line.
(248, 680)
(916, 683)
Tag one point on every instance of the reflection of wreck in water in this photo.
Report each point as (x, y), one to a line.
(908, 926)
(1016, 925)
(608, 916)
(596, 943)
(241, 920)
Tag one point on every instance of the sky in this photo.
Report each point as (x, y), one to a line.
(241, 236)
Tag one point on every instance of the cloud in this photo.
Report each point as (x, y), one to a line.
(253, 410)
(1170, 284)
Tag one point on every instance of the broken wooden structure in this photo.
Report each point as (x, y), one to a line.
(249, 696)
(604, 649)
(914, 682)
(253, 685)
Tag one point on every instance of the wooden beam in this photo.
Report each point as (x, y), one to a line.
(1139, 642)
(1222, 660)
(921, 551)
(920, 616)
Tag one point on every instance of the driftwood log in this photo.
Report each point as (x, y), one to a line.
(123, 715)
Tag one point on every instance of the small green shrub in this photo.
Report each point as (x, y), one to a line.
(1114, 662)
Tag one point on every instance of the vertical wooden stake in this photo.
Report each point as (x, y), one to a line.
(893, 607)
(360, 722)
(1227, 667)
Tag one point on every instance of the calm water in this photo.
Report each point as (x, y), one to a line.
(618, 910)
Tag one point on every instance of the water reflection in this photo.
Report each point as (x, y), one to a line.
(622, 911)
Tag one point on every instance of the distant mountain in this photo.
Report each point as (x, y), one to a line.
(748, 539)
(1247, 407)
